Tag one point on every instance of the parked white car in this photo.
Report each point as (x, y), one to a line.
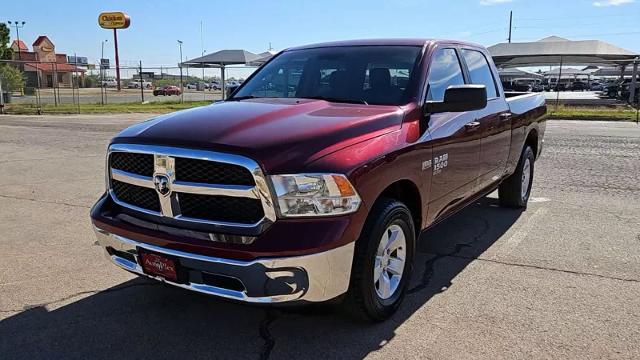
(109, 83)
(135, 84)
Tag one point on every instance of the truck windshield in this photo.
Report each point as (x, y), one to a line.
(378, 75)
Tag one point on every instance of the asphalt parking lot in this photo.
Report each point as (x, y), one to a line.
(560, 280)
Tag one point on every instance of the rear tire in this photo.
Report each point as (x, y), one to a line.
(515, 190)
(383, 261)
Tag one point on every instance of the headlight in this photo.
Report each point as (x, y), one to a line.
(314, 195)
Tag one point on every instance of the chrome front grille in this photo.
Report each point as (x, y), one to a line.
(205, 187)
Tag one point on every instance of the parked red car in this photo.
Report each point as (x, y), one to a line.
(316, 178)
(167, 90)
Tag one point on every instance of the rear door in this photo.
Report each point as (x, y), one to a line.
(455, 138)
(494, 119)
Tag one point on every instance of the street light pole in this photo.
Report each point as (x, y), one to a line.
(103, 91)
(180, 66)
(18, 25)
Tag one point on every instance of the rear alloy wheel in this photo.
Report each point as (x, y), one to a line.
(515, 190)
(383, 261)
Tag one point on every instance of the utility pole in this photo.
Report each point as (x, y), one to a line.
(1, 98)
(180, 66)
(18, 25)
(141, 83)
(204, 96)
(510, 24)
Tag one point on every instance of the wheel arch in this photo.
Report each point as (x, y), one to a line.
(532, 141)
(407, 192)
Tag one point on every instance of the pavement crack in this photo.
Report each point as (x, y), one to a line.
(269, 341)
(429, 264)
(537, 267)
(74, 295)
(44, 201)
(573, 272)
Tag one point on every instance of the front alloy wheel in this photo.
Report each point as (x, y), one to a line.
(389, 262)
(383, 261)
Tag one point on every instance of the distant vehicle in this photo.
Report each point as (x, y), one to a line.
(579, 86)
(625, 91)
(135, 84)
(611, 90)
(560, 87)
(526, 85)
(596, 86)
(192, 86)
(214, 85)
(109, 83)
(167, 90)
(231, 87)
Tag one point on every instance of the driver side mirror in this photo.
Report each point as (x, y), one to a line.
(459, 98)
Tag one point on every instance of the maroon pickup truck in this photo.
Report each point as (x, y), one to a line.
(314, 180)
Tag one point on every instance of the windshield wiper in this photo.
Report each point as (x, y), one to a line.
(338, 100)
(238, 98)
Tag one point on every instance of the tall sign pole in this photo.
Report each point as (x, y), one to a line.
(115, 42)
(115, 21)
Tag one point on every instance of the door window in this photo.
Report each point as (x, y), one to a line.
(479, 71)
(445, 70)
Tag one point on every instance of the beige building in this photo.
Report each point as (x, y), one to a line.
(44, 64)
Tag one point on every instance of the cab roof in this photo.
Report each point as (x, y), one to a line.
(383, 42)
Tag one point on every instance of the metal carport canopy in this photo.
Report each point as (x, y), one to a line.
(221, 59)
(555, 50)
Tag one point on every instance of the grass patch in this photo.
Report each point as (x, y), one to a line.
(616, 113)
(151, 107)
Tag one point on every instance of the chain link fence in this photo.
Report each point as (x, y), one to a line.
(30, 87)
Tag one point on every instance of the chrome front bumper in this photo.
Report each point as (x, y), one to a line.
(312, 278)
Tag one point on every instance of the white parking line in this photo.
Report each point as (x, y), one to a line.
(520, 234)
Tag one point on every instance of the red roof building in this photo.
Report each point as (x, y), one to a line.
(52, 69)
(19, 45)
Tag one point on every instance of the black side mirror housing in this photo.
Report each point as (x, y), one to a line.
(459, 98)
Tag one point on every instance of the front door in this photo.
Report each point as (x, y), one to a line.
(49, 80)
(455, 138)
(494, 119)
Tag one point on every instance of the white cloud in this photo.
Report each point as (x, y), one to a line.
(495, 2)
(612, 3)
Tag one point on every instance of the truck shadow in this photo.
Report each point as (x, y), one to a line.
(140, 318)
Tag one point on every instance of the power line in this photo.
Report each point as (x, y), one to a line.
(593, 35)
(581, 17)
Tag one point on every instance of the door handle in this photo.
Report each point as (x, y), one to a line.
(472, 125)
(505, 116)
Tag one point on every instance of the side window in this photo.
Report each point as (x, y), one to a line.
(479, 71)
(444, 71)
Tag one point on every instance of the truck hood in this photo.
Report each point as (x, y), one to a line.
(283, 135)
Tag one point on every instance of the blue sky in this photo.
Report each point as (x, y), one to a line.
(253, 24)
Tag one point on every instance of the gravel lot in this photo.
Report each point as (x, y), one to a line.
(560, 280)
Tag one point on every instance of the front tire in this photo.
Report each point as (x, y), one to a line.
(515, 190)
(383, 261)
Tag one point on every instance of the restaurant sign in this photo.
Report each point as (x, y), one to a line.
(114, 20)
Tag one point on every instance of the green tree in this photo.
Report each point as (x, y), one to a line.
(11, 78)
(5, 50)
